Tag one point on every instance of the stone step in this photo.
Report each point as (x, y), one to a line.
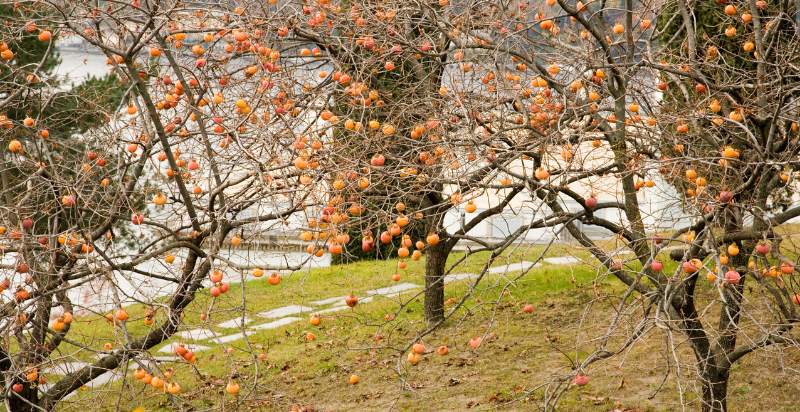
(231, 338)
(65, 368)
(455, 277)
(285, 311)
(394, 289)
(333, 309)
(234, 323)
(196, 334)
(561, 260)
(190, 346)
(514, 267)
(328, 301)
(276, 323)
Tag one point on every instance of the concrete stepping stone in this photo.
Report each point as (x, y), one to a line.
(328, 301)
(514, 267)
(341, 301)
(394, 289)
(105, 378)
(333, 309)
(197, 334)
(235, 323)
(192, 347)
(152, 361)
(361, 300)
(65, 368)
(231, 338)
(276, 323)
(455, 277)
(561, 260)
(285, 311)
(101, 380)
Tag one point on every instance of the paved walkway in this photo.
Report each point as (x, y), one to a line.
(200, 338)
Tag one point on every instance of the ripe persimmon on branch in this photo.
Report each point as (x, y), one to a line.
(402, 128)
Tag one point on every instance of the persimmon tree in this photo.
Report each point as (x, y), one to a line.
(411, 124)
(44, 168)
(731, 96)
(435, 104)
(416, 137)
(192, 156)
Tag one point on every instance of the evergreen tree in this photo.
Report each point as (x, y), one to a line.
(60, 114)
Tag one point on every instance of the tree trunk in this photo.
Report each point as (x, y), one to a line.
(434, 283)
(715, 391)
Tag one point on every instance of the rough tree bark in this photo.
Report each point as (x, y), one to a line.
(715, 390)
(713, 361)
(434, 283)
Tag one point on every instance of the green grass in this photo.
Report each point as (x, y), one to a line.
(519, 352)
(286, 345)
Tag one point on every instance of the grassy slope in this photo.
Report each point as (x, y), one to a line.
(520, 351)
